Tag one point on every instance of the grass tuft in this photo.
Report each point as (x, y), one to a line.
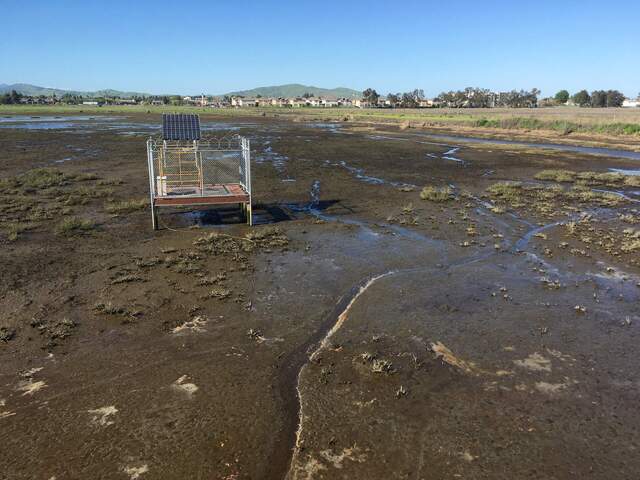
(74, 226)
(437, 194)
(125, 206)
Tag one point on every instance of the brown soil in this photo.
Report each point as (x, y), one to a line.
(357, 331)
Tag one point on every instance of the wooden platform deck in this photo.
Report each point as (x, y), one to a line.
(222, 194)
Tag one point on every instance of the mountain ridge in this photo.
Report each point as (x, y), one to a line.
(286, 90)
(35, 90)
(297, 90)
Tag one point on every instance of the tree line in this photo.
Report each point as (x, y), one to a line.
(597, 98)
(11, 98)
(410, 99)
(472, 97)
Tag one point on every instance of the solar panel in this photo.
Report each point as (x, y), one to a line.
(178, 126)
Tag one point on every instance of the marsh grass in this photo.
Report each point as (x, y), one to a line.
(44, 178)
(437, 194)
(556, 175)
(125, 206)
(612, 179)
(510, 192)
(14, 230)
(73, 226)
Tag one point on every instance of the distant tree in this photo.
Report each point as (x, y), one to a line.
(307, 95)
(371, 96)
(418, 94)
(582, 98)
(412, 99)
(408, 101)
(548, 102)
(11, 98)
(393, 98)
(599, 99)
(519, 99)
(476, 97)
(453, 99)
(562, 97)
(614, 98)
(15, 97)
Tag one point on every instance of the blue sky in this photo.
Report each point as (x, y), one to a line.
(218, 46)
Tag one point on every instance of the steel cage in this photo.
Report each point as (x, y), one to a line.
(208, 171)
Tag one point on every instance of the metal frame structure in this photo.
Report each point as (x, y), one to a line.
(207, 171)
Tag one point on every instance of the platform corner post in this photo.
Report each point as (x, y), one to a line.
(154, 217)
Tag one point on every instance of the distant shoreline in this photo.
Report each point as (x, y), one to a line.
(598, 127)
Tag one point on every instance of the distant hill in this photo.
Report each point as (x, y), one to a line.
(297, 90)
(34, 90)
(289, 90)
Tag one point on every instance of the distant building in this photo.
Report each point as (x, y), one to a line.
(426, 103)
(91, 102)
(361, 103)
(628, 103)
(244, 102)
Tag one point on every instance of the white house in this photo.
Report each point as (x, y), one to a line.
(361, 103)
(329, 103)
(244, 102)
(631, 103)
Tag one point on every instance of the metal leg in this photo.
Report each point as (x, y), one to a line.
(154, 219)
(249, 214)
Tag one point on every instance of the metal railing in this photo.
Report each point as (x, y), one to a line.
(196, 168)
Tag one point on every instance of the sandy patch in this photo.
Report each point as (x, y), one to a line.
(196, 324)
(101, 416)
(467, 456)
(5, 413)
(308, 470)
(352, 453)
(29, 387)
(447, 356)
(182, 385)
(535, 362)
(135, 472)
(553, 389)
(31, 372)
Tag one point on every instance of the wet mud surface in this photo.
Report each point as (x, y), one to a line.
(359, 330)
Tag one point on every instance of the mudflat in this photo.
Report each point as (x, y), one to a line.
(407, 306)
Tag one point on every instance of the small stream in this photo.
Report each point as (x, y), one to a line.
(609, 152)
